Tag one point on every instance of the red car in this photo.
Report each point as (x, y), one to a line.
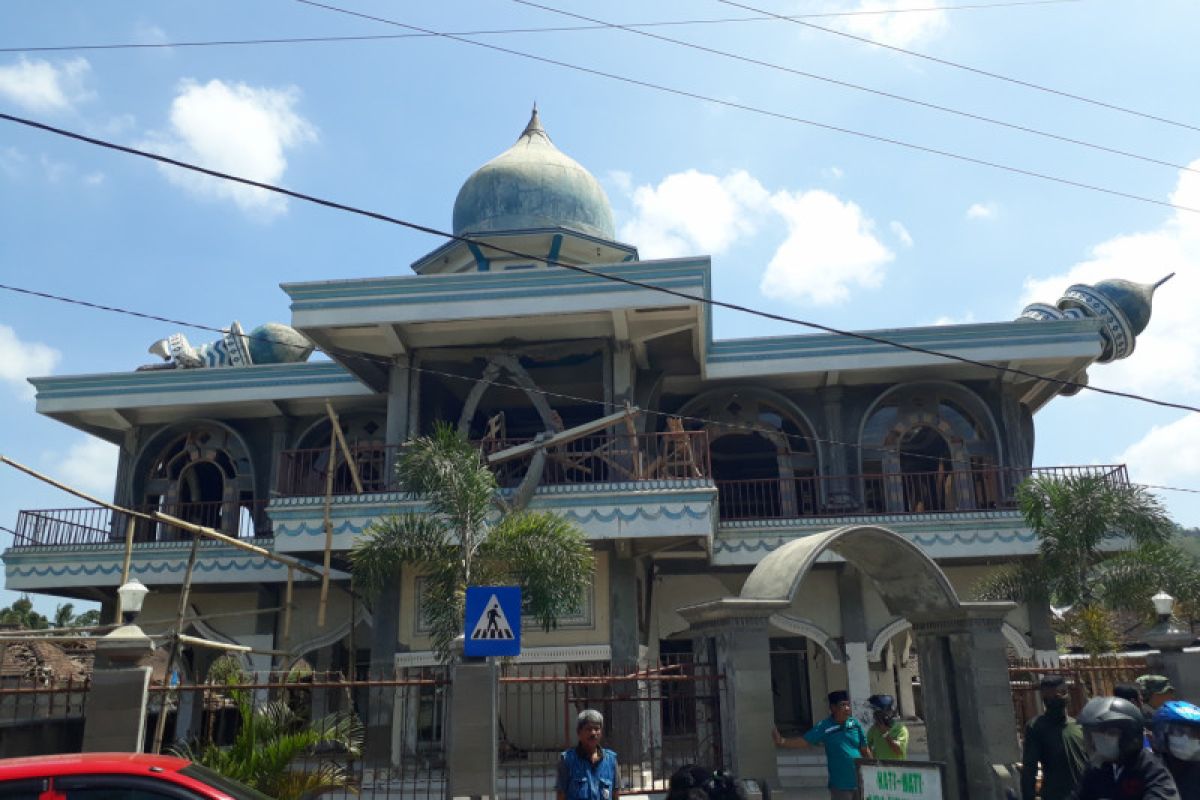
(115, 776)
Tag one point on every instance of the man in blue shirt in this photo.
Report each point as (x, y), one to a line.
(587, 771)
(844, 741)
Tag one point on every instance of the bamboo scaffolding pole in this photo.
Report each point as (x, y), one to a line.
(160, 725)
(562, 437)
(327, 517)
(158, 516)
(346, 454)
(233, 648)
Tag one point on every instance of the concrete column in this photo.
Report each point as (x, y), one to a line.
(1182, 668)
(471, 747)
(381, 704)
(737, 629)
(396, 431)
(839, 494)
(854, 636)
(967, 699)
(623, 372)
(1045, 643)
(115, 709)
(624, 731)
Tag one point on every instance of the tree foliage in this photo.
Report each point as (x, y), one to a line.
(466, 537)
(21, 614)
(1103, 546)
(272, 740)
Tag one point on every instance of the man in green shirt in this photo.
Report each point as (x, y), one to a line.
(844, 741)
(1055, 742)
(888, 737)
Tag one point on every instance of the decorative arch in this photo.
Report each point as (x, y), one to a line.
(930, 446)
(364, 432)
(810, 630)
(766, 460)
(201, 471)
(1020, 644)
(876, 648)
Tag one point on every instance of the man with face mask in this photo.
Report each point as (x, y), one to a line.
(1053, 741)
(1177, 739)
(1121, 768)
(888, 737)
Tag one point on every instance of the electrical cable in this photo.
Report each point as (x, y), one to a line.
(868, 89)
(764, 112)
(593, 273)
(507, 31)
(965, 67)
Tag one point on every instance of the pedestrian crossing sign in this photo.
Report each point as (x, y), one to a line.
(492, 622)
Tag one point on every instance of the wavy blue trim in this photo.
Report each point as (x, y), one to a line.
(154, 568)
(982, 537)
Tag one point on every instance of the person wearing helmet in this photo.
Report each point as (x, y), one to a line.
(888, 737)
(1177, 739)
(1054, 742)
(1121, 768)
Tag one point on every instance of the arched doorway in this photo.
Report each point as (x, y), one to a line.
(961, 647)
(764, 459)
(930, 447)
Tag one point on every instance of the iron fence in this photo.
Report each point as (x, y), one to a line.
(1086, 678)
(100, 525)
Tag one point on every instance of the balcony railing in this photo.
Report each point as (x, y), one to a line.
(98, 525)
(596, 458)
(905, 493)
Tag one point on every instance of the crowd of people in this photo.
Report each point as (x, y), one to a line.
(1142, 743)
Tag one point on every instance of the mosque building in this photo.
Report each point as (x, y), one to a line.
(714, 453)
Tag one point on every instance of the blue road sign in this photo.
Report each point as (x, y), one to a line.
(492, 622)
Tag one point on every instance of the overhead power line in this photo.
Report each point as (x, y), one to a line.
(607, 276)
(768, 113)
(509, 31)
(802, 438)
(975, 70)
(858, 87)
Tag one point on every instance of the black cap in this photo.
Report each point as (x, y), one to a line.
(1128, 691)
(882, 702)
(839, 696)
(1052, 682)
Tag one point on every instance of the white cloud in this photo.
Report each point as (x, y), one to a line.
(966, 319)
(690, 212)
(621, 179)
(1167, 359)
(1167, 455)
(89, 464)
(901, 233)
(982, 211)
(234, 128)
(830, 247)
(20, 360)
(898, 30)
(55, 170)
(12, 161)
(833, 173)
(93, 178)
(42, 86)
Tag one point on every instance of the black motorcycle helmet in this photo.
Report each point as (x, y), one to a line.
(1113, 715)
(884, 706)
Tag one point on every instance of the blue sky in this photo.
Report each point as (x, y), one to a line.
(799, 220)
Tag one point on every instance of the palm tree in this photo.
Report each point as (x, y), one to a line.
(272, 741)
(468, 537)
(1102, 546)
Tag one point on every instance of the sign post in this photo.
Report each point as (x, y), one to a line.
(492, 622)
(901, 780)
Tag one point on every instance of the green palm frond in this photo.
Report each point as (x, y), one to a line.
(387, 545)
(1016, 582)
(449, 472)
(547, 556)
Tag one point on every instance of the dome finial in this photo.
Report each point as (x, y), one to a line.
(1160, 283)
(534, 128)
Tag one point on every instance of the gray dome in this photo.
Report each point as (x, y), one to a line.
(1134, 299)
(531, 185)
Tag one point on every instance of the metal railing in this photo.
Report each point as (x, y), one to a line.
(902, 493)
(100, 525)
(597, 458)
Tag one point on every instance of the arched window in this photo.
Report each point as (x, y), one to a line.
(202, 476)
(763, 459)
(306, 468)
(929, 447)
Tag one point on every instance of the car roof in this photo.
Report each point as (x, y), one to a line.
(78, 763)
